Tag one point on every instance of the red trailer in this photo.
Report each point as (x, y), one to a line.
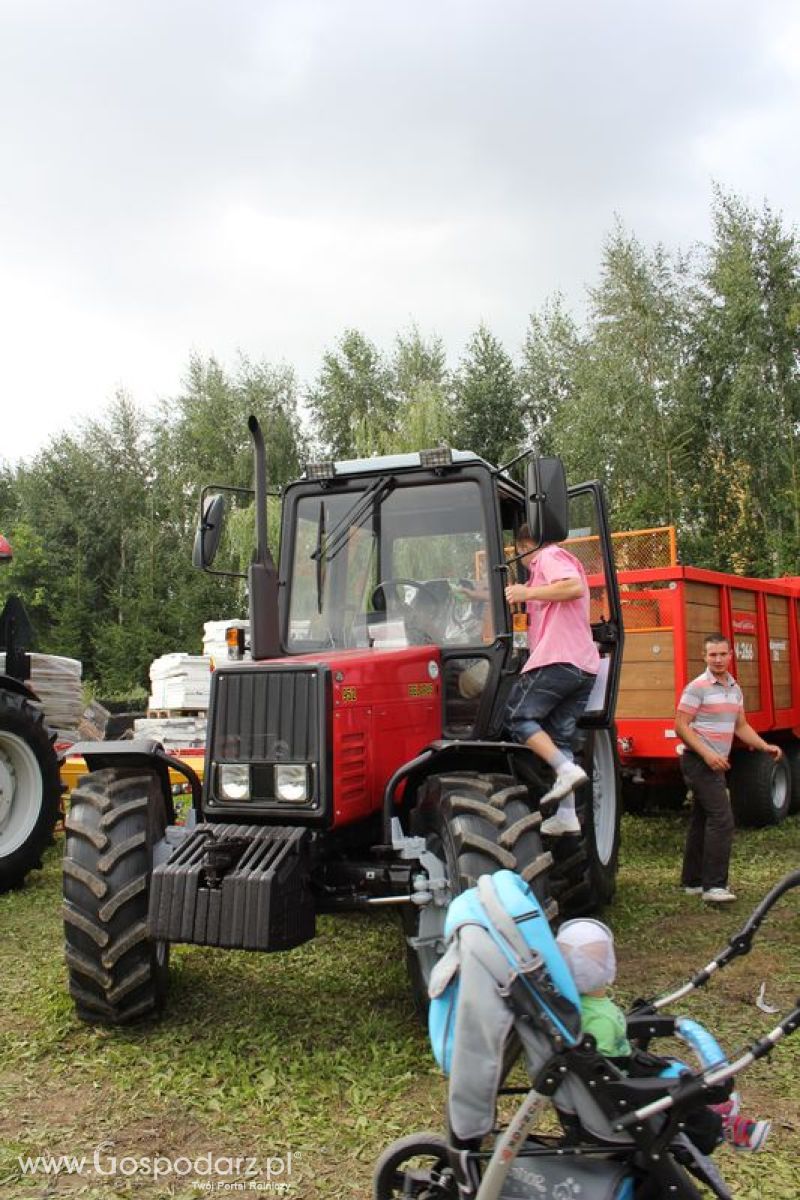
(667, 610)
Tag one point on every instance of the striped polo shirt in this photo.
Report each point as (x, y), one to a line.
(714, 706)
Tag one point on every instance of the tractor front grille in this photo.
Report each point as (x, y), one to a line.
(267, 716)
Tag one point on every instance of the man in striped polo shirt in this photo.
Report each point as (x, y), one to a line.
(710, 712)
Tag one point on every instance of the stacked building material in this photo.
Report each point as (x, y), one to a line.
(179, 683)
(174, 733)
(57, 683)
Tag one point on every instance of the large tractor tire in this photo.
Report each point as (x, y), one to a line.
(585, 865)
(475, 824)
(116, 972)
(760, 787)
(30, 788)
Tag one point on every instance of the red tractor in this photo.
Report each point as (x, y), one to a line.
(30, 787)
(359, 759)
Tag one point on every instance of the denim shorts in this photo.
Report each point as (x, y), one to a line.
(550, 699)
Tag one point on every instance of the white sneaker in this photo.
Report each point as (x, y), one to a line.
(718, 895)
(560, 824)
(568, 777)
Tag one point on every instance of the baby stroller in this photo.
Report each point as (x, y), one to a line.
(502, 987)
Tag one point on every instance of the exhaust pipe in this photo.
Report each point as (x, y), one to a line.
(262, 575)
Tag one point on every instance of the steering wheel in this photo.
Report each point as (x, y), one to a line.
(381, 592)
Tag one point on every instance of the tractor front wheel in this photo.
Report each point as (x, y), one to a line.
(116, 972)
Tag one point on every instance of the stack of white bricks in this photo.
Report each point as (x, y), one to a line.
(57, 683)
(179, 682)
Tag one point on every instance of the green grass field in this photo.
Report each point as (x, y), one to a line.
(317, 1054)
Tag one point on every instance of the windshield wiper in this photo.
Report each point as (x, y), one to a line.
(318, 553)
(354, 516)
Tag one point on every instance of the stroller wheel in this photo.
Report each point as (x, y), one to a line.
(415, 1166)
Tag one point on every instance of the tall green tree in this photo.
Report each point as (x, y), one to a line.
(486, 409)
(548, 375)
(746, 379)
(419, 381)
(352, 401)
(624, 417)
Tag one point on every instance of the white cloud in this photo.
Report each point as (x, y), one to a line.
(263, 173)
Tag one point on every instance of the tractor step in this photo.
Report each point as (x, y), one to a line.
(238, 886)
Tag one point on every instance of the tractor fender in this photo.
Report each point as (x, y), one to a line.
(441, 756)
(146, 754)
(9, 684)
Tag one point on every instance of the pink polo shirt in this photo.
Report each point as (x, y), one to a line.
(559, 630)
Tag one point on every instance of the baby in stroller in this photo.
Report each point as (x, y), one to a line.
(588, 949)
(503, 984)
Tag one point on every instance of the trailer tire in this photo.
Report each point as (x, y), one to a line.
(792, 752)
(475, 824)
(116, 972)
(585, 867)
(30, 788)
(760, 788)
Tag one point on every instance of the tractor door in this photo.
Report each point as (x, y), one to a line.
(591, 542)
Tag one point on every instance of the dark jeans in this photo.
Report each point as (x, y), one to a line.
(550, 698)
(710, 836)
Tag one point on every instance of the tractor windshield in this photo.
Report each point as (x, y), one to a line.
(390, 566)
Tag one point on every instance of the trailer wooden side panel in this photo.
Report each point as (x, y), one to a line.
(779, 650)
(702, 615)
(647, 682)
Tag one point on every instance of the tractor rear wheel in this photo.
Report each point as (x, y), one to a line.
(760, 787)
(30, 788)
(585, 867)
(116, 972)
(475, 824)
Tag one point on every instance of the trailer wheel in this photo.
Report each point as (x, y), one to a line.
(475, 824)
(116, 972)
(585, 866)
(760, 788)
(30, 789)
(792, 752)
(415, 1166)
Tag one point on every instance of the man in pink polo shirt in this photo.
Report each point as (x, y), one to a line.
(555, 684)
(710, 712)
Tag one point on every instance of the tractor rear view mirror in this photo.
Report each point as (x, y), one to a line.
(546, 501)
(209, 531)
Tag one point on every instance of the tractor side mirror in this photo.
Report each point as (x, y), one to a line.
(209, 531)
(546, 501)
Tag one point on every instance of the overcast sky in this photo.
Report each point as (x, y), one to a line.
(257, 175)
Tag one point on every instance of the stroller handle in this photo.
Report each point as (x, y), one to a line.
(739, 944)
(694, 1085)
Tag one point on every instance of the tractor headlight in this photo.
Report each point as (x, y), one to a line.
(291, 782)
(234, 781)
